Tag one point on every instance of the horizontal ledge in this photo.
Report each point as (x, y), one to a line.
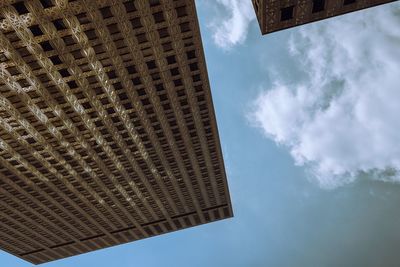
(122, 230)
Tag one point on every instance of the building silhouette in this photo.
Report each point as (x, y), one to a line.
(276, 15)
(107, 127)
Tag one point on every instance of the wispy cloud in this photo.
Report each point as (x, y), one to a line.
(344, 119)
(230, 26)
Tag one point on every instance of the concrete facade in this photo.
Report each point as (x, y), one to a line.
(107, 127)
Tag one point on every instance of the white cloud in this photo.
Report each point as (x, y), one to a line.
(343, 121)
(231, 29)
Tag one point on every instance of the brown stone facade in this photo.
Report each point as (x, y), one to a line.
(276, 15)
(107, 127)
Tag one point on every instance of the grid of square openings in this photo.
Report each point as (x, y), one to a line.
(287, 13)
(161, 83)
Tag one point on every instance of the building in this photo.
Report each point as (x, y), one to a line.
(107, 127)
(276, 15)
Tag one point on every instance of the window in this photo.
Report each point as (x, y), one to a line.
(64, 73)
(154, 2)
(348, 2)
(191, 54)
(184, 27)
(46, 46)
(174, 71)
(141, 38)
(167, 46)
(106, 12)
(158, 17)
(193, 67)
(130, 6)
(111, 74)
(163, 32)
(287, 13)
(136, 81)
(59, 24)
(151, 64)
(171, 60)
(68, 40)
(196, 78)
(21, 8)
(136, 23)
(55, 60)
(46, 3)
(131, 69)
(181, 11)
(318, 6)
(36, 31)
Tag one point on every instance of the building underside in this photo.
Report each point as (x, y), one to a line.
(107, 127)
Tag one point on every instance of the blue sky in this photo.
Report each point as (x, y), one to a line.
(309, 130)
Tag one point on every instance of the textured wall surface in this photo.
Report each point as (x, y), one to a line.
(107, 128)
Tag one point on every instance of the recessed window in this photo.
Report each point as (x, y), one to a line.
(136, 23)
(163, 97)
(82, 18)
(196, 78)
(46, 46)
(171, 60)
(131, 69)
(160, 87)
(349, 2)
(21, 8)
(3, 58)
(151, 64)
(136, 81)
(156, 76)
(287, 13)
(23, 51)
(13, 71)
(193, 67)
(184, 27)
(130, 6)
(59, 24)
(111, 74)
(72, 84)
(163, 32)
(113, 28)
(191, 54)
(154, 2)
(178, 82)
(91, 34)
(318, 6)
(36, 31)
(68, 40)
(55, 60)
(167, 46)
(158, 17)
(23, 83)
(46, 3)
(106, 12)
(141, 92)
(64, 72)
(181, 11)
(141, 38)
(77, 54)
(174, 71)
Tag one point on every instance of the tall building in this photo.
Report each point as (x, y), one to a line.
(107, 128)
(276, 15)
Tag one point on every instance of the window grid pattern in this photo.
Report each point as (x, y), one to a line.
(275, 15)
(107, 128)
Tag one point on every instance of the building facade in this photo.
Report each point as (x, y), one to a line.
(107, 127)
(276, 15)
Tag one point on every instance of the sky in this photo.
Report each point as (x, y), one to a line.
(308, 122)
